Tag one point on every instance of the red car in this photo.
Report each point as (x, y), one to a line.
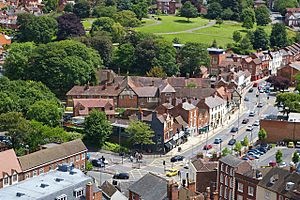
(207, 147)
(272, 164)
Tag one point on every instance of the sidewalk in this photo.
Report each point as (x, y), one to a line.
(194, 141)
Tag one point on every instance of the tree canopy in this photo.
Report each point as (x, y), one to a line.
(126, 18)
(278, 36)
(97, 128)
(261, 39)
(140, 133)
(214, 10)
(69, 25)
(188, 10)
(262, 15)
(59, 65)
(82, 9)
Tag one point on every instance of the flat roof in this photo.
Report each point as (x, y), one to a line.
(294, 117)
(33, 189)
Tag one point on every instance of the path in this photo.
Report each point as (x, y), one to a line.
(211, 23)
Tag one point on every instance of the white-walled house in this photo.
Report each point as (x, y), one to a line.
(275, 62)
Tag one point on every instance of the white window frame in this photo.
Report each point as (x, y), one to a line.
(239, 197)
(82, 156)
(250, 190)
(5, 181)
(267, 194)
(226, 180)
(41, 170)
(221, 178)
(62, 197)
(34, 173)
(77, 157)
(78, 192)
(240, 187)
(13, 176)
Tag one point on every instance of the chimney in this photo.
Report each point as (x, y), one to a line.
(208, 193)
(89, 191)
(172, 191)
(192, 186)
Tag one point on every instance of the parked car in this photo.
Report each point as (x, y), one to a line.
(260, 105)
(291, 145)
(251, 90)
(249, 128)
(246, 99)
(252, 154)
(234, 129)
(272, 163)
(172, 172)
(255, 84)
(218, 141)
(262, 149)
(207, 147)
(98, 163)
(177, 158)
(232, 141)
(245, 158)
(256, 123)
(251, 114)
(256, 151)
(282, 164)
(121, 176)
(297, 144)
(245, 121)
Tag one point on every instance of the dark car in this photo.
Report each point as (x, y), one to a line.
(207, 147)
(218, 141)
(260, 105)
(97, 163)
(232, 142)
(251, 90)
(234, 129)
(245, 121)
(177, 158)
(121, 176)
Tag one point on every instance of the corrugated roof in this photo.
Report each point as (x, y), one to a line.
(55, 153)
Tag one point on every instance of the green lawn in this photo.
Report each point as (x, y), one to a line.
(172, 24)
(87, 23)
(222, 34)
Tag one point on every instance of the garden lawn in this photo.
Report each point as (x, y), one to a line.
(173, 24)
(87, 23)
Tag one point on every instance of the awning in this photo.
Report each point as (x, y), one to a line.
(168, 145)
(173, 143)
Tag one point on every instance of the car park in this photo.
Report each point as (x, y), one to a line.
(264, 150)
(121, 176)
(177, 158)
(249, 128)
(217, 141)
(234, 129)
(232, 141)
(291, 145)
(245, 121)
(207, 147)
(256, 151)
(252, 154)
(172, 172)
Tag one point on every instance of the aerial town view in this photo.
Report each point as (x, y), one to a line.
(150, 100)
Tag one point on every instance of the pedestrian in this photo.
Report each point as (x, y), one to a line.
(131, 158)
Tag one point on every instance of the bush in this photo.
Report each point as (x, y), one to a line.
(88, 166)
(159, 19)
(108, 146)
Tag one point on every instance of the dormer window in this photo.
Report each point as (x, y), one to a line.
(14, 177)
(5, 181)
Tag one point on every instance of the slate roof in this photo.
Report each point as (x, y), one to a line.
(168, 89)
(108, 189)
(9, 162)
(231, 160)
(203, 166)
(146, 91)
(150, 187)
(295, 65)
(58, 152)
(199, 93)
(282, 177)
(188, 106)
(213, 101)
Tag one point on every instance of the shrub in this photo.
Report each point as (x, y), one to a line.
(88, 166)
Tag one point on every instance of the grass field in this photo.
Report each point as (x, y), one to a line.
(171, 24)
(222, 34)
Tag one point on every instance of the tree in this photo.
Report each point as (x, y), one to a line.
(227, 14)
(225, 152)
(124, 57)
(140, 133)
(176, 40)
(281, 5)
(245, 46)
(47, 112)
(192, 56)
(69, 7)
(262, 135)
(236, 36)
(156, 72)
(261, 39)
(262, 15)
(97, 128)
(50, 5)
(82, 9)
(219, 21)
(296, 157)
(140, 9)
(297, 80)
(248, 22)
(279, 82)
(278, 156)
(297, 37)
(214, 10)
(214, 44)
(124, 5)
(104, 11)
(238, 147)
(36, 29)
(289, 101)
(69, 25)
(188, 11)
(246, 141)
(278, 36)
(236, 7)
(103, 24)
(59, 65)
(126, 18)
(248, 12)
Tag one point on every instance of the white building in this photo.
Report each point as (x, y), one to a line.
(275, 62)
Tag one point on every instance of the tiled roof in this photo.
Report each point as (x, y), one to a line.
(188, 106)
(109, 90)
(93, 103)
(9, 162)
(55, 153)
(150, 187)
(231, 160)
(203, 166)
(168, 88)
(199, 93)
(146, 91)
(108, 188)
(213, 101)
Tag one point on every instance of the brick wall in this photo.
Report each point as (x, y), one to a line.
(205, 179)
(280, 130)
(127, 101)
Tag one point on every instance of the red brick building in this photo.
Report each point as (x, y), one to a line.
(34, 164)
(167, 6)
(289, 71)
(254, 66)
